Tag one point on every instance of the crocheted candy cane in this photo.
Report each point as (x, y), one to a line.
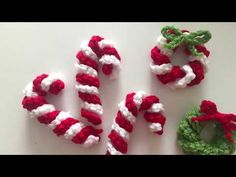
(61, 122)
(126, 117)
(92, 51)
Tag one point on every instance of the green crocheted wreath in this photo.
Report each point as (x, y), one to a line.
(189, 139)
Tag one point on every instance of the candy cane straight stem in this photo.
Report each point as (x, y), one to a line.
(62, 123)
(126, 116)
(97, 49)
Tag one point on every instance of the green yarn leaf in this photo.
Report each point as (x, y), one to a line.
(177, 37)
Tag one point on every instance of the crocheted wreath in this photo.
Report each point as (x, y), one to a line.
(188, 134)
(188, 75)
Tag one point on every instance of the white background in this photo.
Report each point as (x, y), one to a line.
(29, 49)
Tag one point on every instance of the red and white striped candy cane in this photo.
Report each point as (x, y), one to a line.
(101, 50)
(126, 117)
(61, 122)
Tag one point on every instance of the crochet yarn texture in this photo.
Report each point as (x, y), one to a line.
(96, 50)
(188, 75)
(188, 134)
(126, 116)
(62, 123)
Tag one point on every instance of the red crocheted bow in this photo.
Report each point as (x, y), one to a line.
(227, 121)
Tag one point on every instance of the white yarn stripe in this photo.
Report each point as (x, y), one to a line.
(73, 130)
(112, 150)
(125, 112)
(60, 117)
(88, 51)
(161, 69)
(155, 127)
(120, 131)
(187, 33)
(28, 90)
(46, 82)
(106, 43)
(41, 110)
(90, 141)
(87, 89)
(181, 83)
(84, 69)
(138, 98)
(110, 59)
(161, 41)
(95, 108)
(204, 61)
(156, 108)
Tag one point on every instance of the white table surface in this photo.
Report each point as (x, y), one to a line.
(29, 49)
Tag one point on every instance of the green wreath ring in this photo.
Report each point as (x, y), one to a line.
(188, 134)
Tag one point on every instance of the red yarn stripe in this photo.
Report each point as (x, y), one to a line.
(111, 51)
(159, 58)
(123, 123)
(90, 98)
(155, 118)
(86, 79)
(31, 103)
(64, 126)
(203, 49)
(37, 84)
(49, 117)
(175, 73)
(93, 44)
(80, 137)
(87, 60)
(56, 87)
(118, 142)
(130, 104)
(148, 101)
(91, 117)
(198, 71)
